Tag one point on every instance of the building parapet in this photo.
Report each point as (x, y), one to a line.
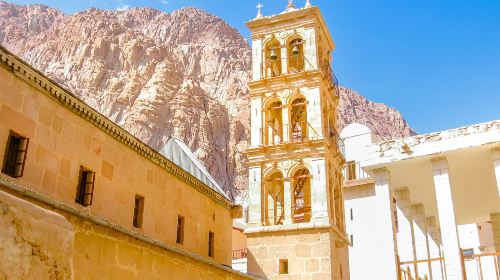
(433, 143)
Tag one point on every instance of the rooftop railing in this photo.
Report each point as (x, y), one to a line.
(239, 254)
(353, 171)
(294, 64)
(297, 132)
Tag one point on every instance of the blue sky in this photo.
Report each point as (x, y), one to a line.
(438, 62)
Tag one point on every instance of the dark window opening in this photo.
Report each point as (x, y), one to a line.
(180, 230)
(211, 241)
(85, 190)
(138, 211)
(352, 240)
(283, 266)
(15, 155)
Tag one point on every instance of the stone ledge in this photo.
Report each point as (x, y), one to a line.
(292, 227)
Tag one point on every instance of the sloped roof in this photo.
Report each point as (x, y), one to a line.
(180, 154)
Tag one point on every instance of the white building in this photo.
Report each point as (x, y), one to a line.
(424, 207)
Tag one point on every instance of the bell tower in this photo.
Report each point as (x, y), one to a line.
(295, 209)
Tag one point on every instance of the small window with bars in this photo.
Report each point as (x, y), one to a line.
(138, 211)
(211, 244)
(180, 230)
(85, 190)
(15, 155)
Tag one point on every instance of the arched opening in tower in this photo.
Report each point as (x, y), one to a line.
(296, 55)
(273, 132)
(274, 199)
(298, 120)
(301, 202)
(272, 55)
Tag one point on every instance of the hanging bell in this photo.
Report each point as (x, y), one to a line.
(295, 50)
(273, 55)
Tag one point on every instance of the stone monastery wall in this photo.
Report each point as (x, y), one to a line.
(65, 135)
(41, 244)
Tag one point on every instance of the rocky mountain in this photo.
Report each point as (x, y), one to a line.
(158, 74)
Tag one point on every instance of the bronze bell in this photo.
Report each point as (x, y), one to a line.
(295, 50)
(273, 55)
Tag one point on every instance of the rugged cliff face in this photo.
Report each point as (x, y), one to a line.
(157, 74)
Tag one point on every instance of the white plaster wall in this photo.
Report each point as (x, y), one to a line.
(255, 121)
(256, 58)
(319, 207)
(254, 208)
(370, 256)
(310, 49)
(313, 108)
(357, 138)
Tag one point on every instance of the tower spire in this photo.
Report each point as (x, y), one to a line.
(308, 4)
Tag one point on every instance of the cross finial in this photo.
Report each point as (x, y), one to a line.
(259, 10)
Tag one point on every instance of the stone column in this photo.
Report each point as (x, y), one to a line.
(495, 225)
(284, 60)
(404, 231)
(319, 205)
(254, 197)
(286, 124)
(449, 234)
(287, 201)
(383, 231)
(496, 166)
(420, 236)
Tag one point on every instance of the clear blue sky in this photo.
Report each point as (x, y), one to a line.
(436, 61)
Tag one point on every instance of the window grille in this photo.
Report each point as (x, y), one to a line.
(85, 190)
(138, 211)
(180, 230)
(15, 155)
(211, 241)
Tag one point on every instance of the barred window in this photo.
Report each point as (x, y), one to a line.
(211, 241)
(85, 190)
(180, 230)
(138, 211)
(15, 155)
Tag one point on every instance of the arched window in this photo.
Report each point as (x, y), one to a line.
(296, 56)
(274, 199)
(301, 202)
(273, 131)
(272, 59)
(298, 120)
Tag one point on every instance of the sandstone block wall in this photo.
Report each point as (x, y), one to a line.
(311, 255)
(101, 253)
(34, 243)
(61, 142)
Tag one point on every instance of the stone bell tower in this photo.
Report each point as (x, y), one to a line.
(296, 227)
